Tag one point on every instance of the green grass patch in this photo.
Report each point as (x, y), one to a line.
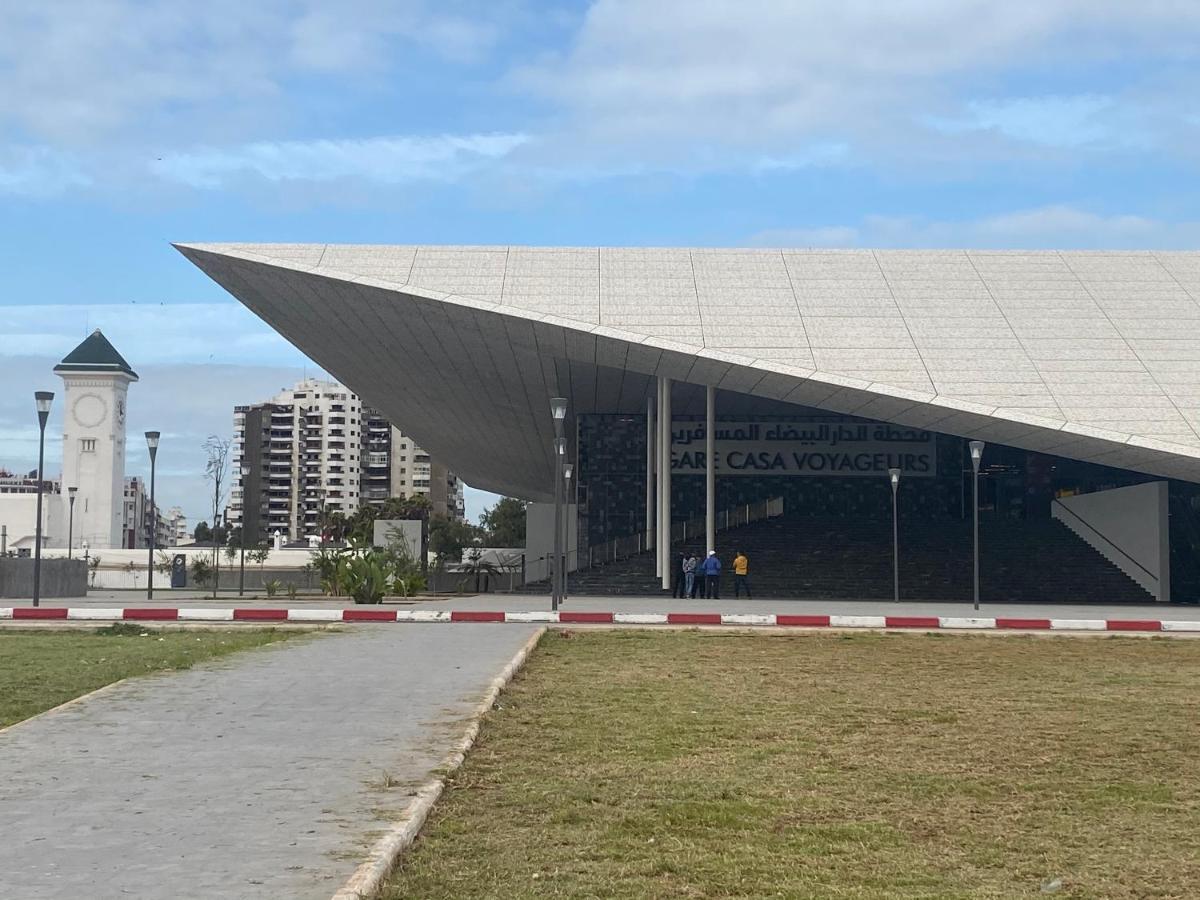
(701, 764)
(41, 669)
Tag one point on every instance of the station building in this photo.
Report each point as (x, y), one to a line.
(805, 376)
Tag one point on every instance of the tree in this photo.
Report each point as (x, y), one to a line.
(215, 468)
(414, 507)
(202, 534)
(259, 555)
(504, 523)
(361, 525)
(448, 537)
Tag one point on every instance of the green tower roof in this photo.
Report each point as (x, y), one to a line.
(95, 354)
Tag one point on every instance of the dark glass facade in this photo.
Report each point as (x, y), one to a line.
(1015, 484)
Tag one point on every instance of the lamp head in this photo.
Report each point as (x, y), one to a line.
(71, 491)
(152, 440)
(558, 408)
(43, 400)
(976, 454)
(560, 446)
(894, 475)
(245, 471)
(567, 468)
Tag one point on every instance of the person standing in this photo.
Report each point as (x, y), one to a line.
(712, 576)
(694, 576)
(680, 575)
(741, 576)
(689, 575)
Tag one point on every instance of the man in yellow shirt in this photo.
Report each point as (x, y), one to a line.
(741, 576)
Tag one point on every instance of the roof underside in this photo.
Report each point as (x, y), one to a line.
(1093, 356)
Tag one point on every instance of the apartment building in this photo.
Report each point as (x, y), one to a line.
(394, 466)
(177, 527)
(315, 446)
(136, 516)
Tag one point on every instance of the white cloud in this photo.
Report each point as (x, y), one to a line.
(762, 77)
(39, 171)
(147, 334)
(383, 160)
(82, 71)
(1056, 227)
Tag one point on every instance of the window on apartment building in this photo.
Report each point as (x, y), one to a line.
(87, 445)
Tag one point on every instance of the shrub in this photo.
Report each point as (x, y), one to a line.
(273, 587)
(202, 571)
(366, 577)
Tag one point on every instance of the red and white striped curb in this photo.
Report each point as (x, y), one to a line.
(577, 617)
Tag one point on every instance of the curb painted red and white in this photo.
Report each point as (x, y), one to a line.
(579, 617)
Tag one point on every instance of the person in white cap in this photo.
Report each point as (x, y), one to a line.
(712, 576)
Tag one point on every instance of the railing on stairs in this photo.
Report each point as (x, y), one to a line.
(682, 531)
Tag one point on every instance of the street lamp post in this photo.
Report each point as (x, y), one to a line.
(242, 539)
(976, 457)
(894, 475)
(43, 400)
(567, 471)
(558, 411)
(152, 522)
(71, 491)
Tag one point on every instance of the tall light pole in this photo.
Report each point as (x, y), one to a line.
(43, 400)
(152, 526)
(320, 515)
(558, 411)
(242, 540)
(71, 491)
(567, 470)
(976, 456)
(894, 475)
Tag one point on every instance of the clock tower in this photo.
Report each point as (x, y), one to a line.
(96, 379)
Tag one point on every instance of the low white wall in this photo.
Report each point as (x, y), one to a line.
(114, 572)
(1129, 526)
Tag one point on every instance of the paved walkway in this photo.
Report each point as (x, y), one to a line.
(258, 776)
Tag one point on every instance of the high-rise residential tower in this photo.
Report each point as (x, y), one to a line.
(315, 446)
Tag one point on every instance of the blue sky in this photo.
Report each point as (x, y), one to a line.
(128, 124)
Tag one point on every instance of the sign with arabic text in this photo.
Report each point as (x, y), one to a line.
(838, 449)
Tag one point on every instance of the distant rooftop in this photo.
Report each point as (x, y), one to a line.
(95, 354)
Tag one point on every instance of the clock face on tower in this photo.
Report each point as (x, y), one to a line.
(89, 410)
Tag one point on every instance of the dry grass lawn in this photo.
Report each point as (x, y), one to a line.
(703, 764)
(39, 669)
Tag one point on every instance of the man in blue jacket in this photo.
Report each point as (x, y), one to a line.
(711, 567)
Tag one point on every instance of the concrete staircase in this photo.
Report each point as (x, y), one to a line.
(1020, 562)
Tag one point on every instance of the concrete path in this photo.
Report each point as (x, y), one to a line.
(259, 776)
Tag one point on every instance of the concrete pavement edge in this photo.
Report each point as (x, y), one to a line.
(368, 878)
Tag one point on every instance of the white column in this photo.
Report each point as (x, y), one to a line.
(710, 470)
(658, 485)
(650, 445)
(664, 476)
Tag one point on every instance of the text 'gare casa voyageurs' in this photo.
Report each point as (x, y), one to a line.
(804, 448)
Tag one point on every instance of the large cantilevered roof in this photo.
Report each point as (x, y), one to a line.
(1086, 355)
